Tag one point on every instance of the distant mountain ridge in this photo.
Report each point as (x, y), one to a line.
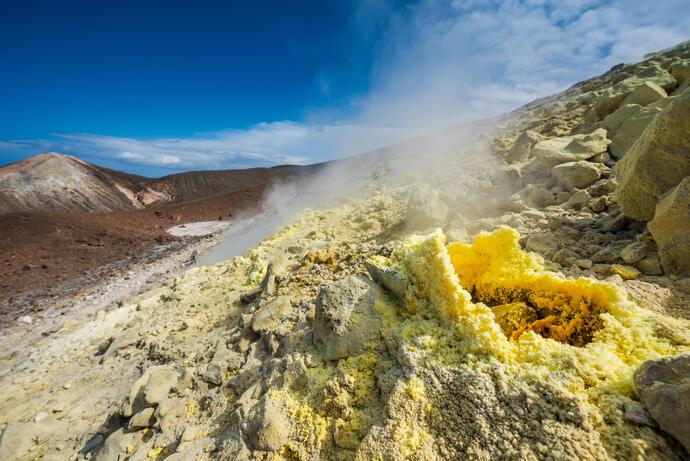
(55, 182)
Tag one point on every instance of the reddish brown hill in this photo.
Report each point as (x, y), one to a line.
(62, 183)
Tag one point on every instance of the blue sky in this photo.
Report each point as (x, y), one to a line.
(158, 87)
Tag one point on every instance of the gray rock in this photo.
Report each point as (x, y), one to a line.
(345, 318)
(663, 386)
(425, 209)
(578, 199)
(671, 229)
(635, 252)
(117, 446)
(657, 162)
(213, 374)
(636, 413)
(159, 384)
(392, 280)
(269, 316)
(523, 146)
(645, 94)
(680, 70)
(650, 265)
(144, 418)
(556, 151)
(269, 426)
(545, 244)
(580, 174)
(631, 129)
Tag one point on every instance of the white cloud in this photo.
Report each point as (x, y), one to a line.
(444, 62)
(437, 63)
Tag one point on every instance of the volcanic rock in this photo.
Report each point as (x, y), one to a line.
(663, 386)
(671, 229)
(657, 162)
(345, 317)
(580, 174)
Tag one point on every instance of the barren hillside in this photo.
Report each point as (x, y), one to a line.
(529, 299)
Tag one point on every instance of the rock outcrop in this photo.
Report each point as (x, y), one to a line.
(576, 174)
(345, 317)
(663, 386)
(657, 162)
(555, 151)
(671, 228)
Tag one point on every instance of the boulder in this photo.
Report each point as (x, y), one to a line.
(578, 200)
(650, 265)
(657, 162)
(663, 386)
(345, 318)
(555, 151)
(159, 384)
(580, 174)
(636, 251)
(117, 446)
(425, 209)
(681, 71)
(269, 426)
(645, 94)
(394, 281)
(631, 129)
(523, 146)
(271, 314)
(144, 418)
(612, 97)
(545, 244)
(671, 229)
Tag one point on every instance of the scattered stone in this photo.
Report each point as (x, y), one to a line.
(117, 446)
(270, 315)
(626, 272)
(671, 229)
(545, 244)
(612, 97)
(269, 426)
(645, 94)
(650, 265)
(213, 374)
(345, 317)
(250, 296)
(27, 319)
(556, 151)
(636, 413)
(159, 384)
(580, 174)
(635, 252)
(657, 162)
(144, 418)
(578, 199)
(663, 386)
(681, 70)
(392, 280)
(523, 146)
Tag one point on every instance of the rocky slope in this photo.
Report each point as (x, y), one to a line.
(513, 306)
(56, 182)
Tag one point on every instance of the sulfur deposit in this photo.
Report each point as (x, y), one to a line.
(488, 309)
